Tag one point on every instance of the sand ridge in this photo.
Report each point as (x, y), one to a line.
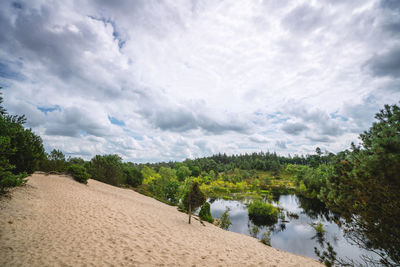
(56, 221)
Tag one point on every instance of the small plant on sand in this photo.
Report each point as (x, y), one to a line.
(254, 231)
(266, 238)
(225, 220)
(78, 173)
(205, 213)
(193, 199)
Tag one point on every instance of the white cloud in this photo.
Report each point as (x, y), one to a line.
(192, 78)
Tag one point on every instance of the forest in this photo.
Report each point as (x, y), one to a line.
(361, 183)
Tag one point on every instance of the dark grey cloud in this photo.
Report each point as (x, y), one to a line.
(73, 122)
(181, 119)
(386, 63)
(294, 128)
(323, 139)
(258, 139)
(390, 4)
(390, 16)
(32, 36)
(318, 120)
(172, 119)
(303, 19)
(281, 144)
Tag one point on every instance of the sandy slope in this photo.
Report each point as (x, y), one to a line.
(56, 221)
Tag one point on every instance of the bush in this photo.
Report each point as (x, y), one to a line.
(266, 238)
(78, 173)
(205, 213)
(225, 220)
(11, 180)
(262, 213)
(133, 176)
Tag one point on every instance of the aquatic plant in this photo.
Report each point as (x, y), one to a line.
(261, 212)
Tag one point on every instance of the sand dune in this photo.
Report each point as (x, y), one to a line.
(55, 221)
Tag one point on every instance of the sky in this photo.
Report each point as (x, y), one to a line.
(154, 80)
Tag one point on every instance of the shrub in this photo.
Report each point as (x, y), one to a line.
(262, 213)
(193, 198)
(205, 213)
(78, 173)
(11, 180)
(133, 176)
(254, 231)
(266, 238)
(225, 220)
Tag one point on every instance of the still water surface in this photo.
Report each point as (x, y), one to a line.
(293, 234)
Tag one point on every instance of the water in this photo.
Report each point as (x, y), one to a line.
(292, 234)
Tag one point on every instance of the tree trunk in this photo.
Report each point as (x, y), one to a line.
(190, 212)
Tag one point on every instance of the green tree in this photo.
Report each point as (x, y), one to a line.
(107, 169)
(193, 199)
(55, 162)
(183, 172)
(20, 149)
(165, 185)
(365, 186)
(133, 176)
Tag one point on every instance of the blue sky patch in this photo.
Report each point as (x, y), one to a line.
(336, 115)
(116, 121)
(46, 110)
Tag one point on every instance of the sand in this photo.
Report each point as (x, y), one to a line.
(55, 221)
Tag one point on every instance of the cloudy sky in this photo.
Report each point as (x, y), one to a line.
(168, 80)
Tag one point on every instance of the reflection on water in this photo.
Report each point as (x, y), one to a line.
(293, 231)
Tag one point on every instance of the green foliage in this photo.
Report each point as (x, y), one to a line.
(107, 169)
(79, 173)
(149, 174)
(133, 176)
(20, 150)
(266, 238)
(165, 185)
(261, 212)
(78, 161)
(55, 161)
(183, 172)
(254, 230)
(328, 257)
(365, 184)
(8, 180)
(205, 213)
(193, 198)
(220, 187)
(319, 228)
(225, 220)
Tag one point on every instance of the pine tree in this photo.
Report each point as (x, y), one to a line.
(193, 199)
